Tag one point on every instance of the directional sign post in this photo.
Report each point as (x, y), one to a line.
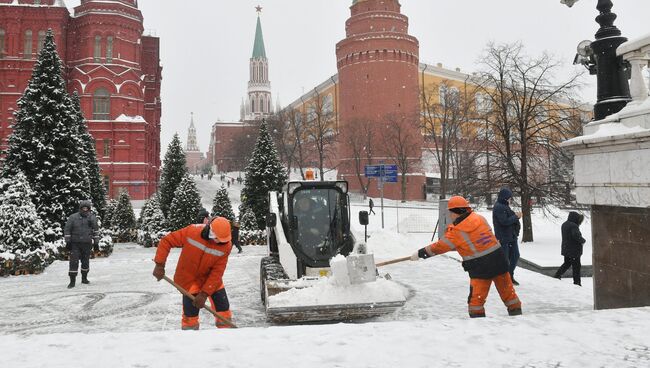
(386, 174)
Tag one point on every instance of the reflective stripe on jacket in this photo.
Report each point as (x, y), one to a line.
(202, 262)
(474, 241)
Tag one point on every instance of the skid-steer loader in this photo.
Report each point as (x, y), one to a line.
(308, 225)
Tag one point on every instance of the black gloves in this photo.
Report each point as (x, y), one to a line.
(199, 299)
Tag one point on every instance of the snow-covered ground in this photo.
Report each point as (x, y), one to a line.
(124, 318)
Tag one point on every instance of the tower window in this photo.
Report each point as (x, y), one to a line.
(37, 2)
(41, 41)
(101, 104)
(109, 49)
(253, 104)
(28, 44)
(98, 49)
(2, 43)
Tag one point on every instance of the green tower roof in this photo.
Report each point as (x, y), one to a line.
(258, 48)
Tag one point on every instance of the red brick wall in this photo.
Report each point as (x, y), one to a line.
(132, 77)
(378, 73)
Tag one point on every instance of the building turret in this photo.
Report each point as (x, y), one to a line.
(259, 104)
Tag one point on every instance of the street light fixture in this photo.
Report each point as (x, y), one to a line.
(599, 57)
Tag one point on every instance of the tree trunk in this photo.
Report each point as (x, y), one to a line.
(527, 226)
(403, 186)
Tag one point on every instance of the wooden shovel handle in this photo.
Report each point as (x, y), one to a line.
(184, 292)
(398, 260)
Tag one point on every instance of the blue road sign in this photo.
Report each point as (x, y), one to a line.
(372, 171)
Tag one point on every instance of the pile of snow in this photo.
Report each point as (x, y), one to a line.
(326, 291)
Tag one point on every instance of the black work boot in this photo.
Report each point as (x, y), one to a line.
(84, 277)
(72, 281)
(514, 312)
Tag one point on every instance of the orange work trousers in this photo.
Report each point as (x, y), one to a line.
(479, 289)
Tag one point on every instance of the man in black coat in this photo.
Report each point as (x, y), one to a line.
(81, 234)
(572, 242)
(506, 229)
(234, 235)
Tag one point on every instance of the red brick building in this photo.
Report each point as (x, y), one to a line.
(111, 64)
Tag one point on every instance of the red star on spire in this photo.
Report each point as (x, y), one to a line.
(258, 8)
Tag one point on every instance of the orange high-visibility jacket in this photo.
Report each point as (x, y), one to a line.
(472, 238)
(202, 262)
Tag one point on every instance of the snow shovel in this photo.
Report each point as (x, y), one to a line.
(184, 292)
(397, 260)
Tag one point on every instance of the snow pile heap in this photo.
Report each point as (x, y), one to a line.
(338, 289)
(22, 248)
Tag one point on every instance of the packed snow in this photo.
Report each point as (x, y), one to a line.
(124, 318)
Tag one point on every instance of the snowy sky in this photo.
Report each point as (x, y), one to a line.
(206, 44)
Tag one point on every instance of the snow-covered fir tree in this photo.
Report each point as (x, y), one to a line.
(123, 219)
(173, 171)
(108, 214)
(249, 232)
(45, 145)
(185, 206)
(221, 205)
(89, 153)
(152, 225)
(264, 173)
(22, 238)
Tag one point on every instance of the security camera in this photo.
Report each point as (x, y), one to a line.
(568, 3)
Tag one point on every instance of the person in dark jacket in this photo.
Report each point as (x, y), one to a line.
(506, 229)
(371, 204)
(235, 235)
(81, 234)
(203, 217)
(572, 242)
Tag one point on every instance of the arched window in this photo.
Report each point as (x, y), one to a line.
(98, 49)
(269, 105)
(101, 104)
(252, 104)
(41, 41)
(109, 49)
(2, 42)
(27, 50)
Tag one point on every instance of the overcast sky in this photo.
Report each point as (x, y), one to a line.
(206, 44)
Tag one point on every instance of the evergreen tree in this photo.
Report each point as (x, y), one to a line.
(186, 204)
(152, 223)
(221, 205)
(88, 150)
(44, 145)
(249, 233)
(123, 219)
(21, 230)
(108, 214)
(247, 219)
(174, 169)
(264, 173)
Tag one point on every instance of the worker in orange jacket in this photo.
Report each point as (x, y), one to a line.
(471, 236)
(200, 268)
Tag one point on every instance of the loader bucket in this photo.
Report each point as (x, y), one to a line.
(321, 299)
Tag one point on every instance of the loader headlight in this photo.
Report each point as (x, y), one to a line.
(293, 187)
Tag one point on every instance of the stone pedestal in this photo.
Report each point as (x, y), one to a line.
(612, 174)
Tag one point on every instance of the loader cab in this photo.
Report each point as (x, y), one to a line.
(319, 225)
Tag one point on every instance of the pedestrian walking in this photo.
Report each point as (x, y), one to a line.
(371, 204)
(235, 236)
(81, 235)
(572, 243)
(483, 258)
(506, 228)
(200, 268)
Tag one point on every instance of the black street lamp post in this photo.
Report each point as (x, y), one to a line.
(611, 70)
